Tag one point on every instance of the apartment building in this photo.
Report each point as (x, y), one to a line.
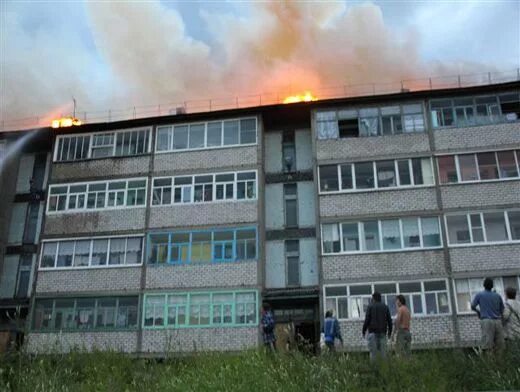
(166, 234)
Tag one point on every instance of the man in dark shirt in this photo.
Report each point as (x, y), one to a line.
(489, 307)
(378, 322)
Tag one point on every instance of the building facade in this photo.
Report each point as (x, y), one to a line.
(166, 234)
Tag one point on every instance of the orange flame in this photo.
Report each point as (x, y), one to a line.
(305, 97)
(65, 122)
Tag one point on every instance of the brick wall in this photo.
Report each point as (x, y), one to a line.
(469, 329)
(204, 214)
(472, 196)
(388, 266)
(365, 147)
(234, 158)
(95, 221)
(89, 280)
(64, 342)
(199, 339)
(488, 136)
(426, 331)
(486, 258)
(378, 202)
(101, 168)
(238, 274)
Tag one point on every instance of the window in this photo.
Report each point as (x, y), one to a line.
(329, 178)
(288, 152)
(206, 135)
(102, 145)
(366, 122)
(447, 169)
(291, 205)
(510, 106)
(206, 309)
(77, 314)
(423, 297)
(204, 188)
(376, 175)
(466, 289)
(386, 235)
(91, 252)
(485, 227)
(478, 167)
(72, 148)
(292, 255)
(97, 195)
(202, 246)
(132, 142)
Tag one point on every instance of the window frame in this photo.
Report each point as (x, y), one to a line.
(206, 147)
(214, 184)
(376, 187)
(212, 304)
(87, 192)
(90, 265)
(397, 284)
(481, 213)
(91, 135)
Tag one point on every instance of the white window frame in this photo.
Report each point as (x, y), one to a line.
(91, 135)
(361, 235)
(516, 154)
(481, 278)
(206, 147)
(376, 187)
(397, 283)
(91, 239)
(105, 207)
(481, 213)
(214, 185)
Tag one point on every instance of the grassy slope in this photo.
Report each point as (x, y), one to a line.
(444, 370)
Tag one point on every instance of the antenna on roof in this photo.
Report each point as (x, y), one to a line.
(74, 101)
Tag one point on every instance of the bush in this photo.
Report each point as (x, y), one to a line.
(439, 370)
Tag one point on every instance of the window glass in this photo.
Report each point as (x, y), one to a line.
(82, 253)
(196, 138)
(477, 231)
(127, 312)
(422, 171)
(99, 252)
(117, 251)
(329, 178)
(430, 232)
(386, 174)
(133, 250)
(495, 226)
(458, 230)
(49, 254)
(331, 241)
(291, 213)
(231, 132)
(246, 244)
(514, 224)
(487, 165)
(201, 247)
(180, 137)
(346, 177)
(350, 237)
(348, 128)
(391, 234)
(371, 230)
(248, 131)
(293, 270)
(327, 125)
(447, 169)
(85, 313)
(468, 167)
(65, 252)
(335, 290)
(411, 235)
(507, 164)
(404, 172)
(106, 312)
(154, 310)
(214, 134)
(364, 175)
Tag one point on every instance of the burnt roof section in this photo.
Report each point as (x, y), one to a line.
(282, 116)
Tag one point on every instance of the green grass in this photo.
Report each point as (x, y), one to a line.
(439, 370)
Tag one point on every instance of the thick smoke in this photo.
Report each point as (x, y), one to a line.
(282, 47)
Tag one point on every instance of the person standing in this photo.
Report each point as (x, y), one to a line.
(268, 324)
(403, 337)
(511, 315)
(331, 330)
(489, 307)
(378, 323)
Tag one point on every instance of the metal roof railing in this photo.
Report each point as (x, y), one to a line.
(245, 101)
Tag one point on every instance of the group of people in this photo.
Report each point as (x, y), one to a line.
(499, 321)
